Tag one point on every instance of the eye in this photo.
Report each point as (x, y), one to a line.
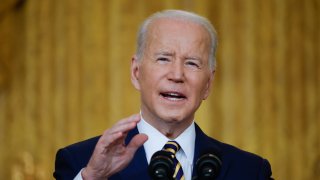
(163, 59)
(193, 64)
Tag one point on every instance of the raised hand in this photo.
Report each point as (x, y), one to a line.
(111, 155)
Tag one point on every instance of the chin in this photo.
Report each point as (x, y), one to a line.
(174, 117)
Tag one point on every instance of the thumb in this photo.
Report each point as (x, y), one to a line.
(136, 142)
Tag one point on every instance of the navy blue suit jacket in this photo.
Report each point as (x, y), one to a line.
(236, 164)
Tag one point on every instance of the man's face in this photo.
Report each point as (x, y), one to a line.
(173, 75)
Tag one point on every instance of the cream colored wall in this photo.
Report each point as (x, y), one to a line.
(64, 77)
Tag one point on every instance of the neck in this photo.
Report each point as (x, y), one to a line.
(170, 128)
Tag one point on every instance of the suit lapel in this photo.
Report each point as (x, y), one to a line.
(137, 168)
(205, 144)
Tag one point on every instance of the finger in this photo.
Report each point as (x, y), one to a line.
(126, 124)
(119, 130)
(107, 139)
(132, 118)
(136, 142)
(122, 128)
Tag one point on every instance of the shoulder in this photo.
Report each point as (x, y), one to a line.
(235, 161)
(243, 163)
(232, 152)
(224, 150)
(71, 159)
(81, 151)
(83, 146)
(236, 155)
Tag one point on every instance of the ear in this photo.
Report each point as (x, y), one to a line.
(135, 72)
(208, 85)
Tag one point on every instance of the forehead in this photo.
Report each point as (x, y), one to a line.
(176, 26)
(178, 33)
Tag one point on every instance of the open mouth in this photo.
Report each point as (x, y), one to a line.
(173, 96)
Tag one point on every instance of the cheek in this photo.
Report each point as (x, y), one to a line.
(148, 80)
(199, 87)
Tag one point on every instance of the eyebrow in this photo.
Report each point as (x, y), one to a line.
(165, 53)
(196, 58)
(193, 57)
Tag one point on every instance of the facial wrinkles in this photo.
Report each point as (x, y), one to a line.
(181, 49)
(178, 53)
(180, 45)
(175, 40)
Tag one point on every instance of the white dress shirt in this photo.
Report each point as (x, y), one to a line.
(157, 140)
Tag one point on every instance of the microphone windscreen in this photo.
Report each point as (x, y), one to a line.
(208, 166)
(161, 166)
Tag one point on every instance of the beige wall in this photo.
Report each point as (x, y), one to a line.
(64, 77)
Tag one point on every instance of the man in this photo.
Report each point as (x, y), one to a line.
(173, 70)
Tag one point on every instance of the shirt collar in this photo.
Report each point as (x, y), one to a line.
(187, 141)
(156, 140)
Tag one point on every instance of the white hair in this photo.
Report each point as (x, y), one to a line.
(180, 15)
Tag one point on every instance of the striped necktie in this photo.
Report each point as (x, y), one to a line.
(172, 147)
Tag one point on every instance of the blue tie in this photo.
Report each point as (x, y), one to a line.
(172, 147)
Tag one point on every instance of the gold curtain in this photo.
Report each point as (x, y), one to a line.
(64, 77)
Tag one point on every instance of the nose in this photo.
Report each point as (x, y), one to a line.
(176, 72)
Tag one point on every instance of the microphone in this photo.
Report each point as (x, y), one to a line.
(161, 166)
(208, 166)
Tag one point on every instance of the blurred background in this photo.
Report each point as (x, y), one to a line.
(64, 77)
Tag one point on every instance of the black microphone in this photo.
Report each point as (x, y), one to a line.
(208, 167)
(161, 166)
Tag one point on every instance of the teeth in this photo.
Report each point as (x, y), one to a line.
(173, 96)
(174, 99)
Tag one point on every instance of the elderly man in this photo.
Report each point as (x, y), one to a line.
(173, 69)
